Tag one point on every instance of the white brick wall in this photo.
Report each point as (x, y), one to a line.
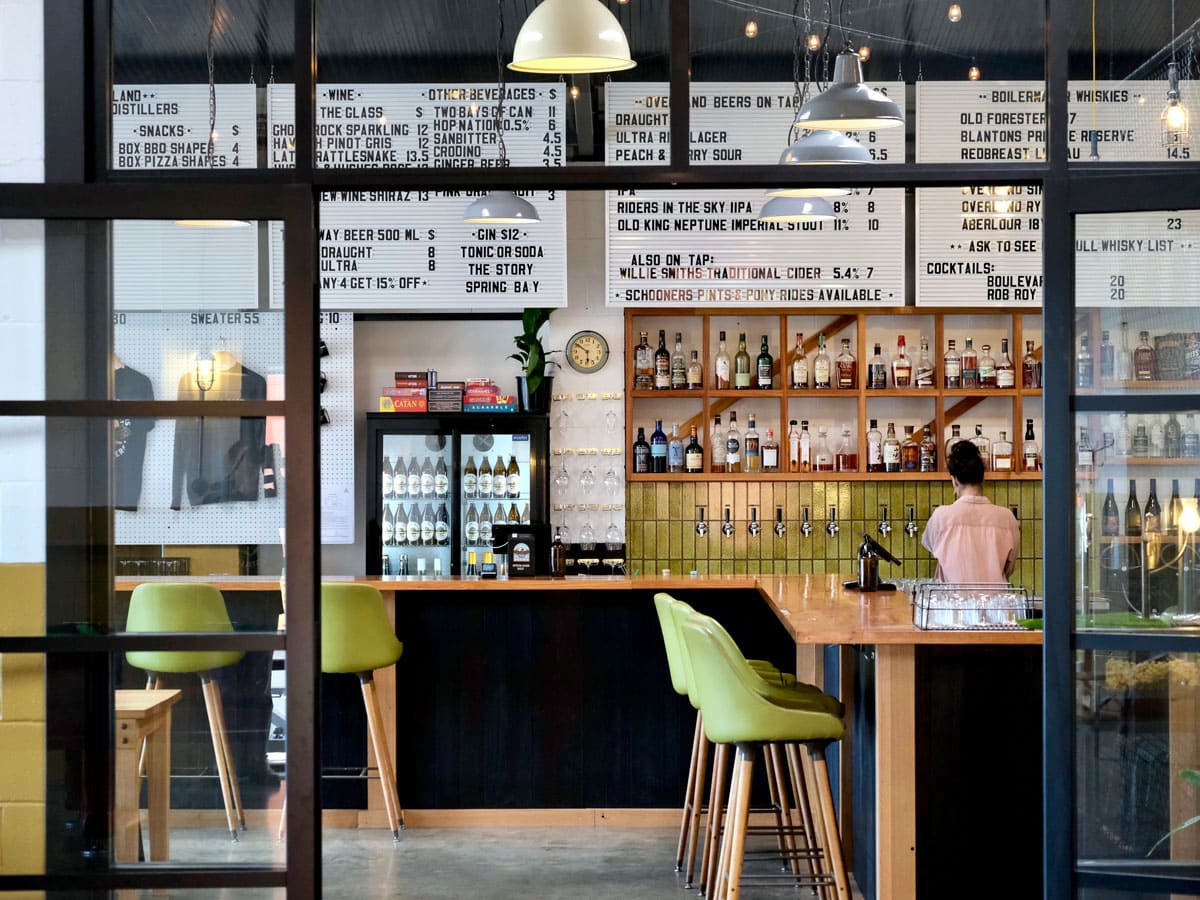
(22, 151)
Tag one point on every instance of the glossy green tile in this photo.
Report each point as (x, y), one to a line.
(662, 540)
(662, 501)
(675, 502)
(739, 567)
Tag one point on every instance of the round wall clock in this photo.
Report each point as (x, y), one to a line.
(587, 351)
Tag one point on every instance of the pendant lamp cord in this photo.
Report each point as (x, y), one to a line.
(797, 93)
(212, 85)
(502, 88)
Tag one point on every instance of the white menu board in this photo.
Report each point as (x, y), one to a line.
(982, 246)
(165, 126)
(384, 250)
(1136, 258)
(698, 248)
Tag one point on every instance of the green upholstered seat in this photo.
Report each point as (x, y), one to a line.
(356, 635)
(169, 607)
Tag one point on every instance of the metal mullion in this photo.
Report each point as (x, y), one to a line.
(1144, 882)
(1131, 189)
(157, 409)
(679, 23)
(1151, 403)
(124, 641)
(160, 875)
(304, 52)
(163, 200)
(201, 176)
(1148, 640)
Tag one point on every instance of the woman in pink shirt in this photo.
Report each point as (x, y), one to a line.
(973, 540)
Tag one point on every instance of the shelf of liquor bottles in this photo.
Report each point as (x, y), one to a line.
(929, 369)
(1131, 349)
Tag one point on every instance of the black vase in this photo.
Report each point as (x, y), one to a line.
(539, 400)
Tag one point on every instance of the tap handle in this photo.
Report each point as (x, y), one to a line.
(805, 516)
(833, 514)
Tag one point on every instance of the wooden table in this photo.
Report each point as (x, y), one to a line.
(143, 714)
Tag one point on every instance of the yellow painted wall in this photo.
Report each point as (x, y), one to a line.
(22, 724)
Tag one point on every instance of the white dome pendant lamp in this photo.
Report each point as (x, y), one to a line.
(500, 207)
(796, 209)
(571, 37)
(849, 104)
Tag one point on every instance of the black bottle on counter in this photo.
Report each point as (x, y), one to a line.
(558, 557)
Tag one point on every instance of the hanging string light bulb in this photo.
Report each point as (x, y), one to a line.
(954, 13)
(973, 73)
(864, 52)
(751, 29)
(814, 42)
(1175, 117)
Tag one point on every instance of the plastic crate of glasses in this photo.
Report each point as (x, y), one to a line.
(942, 606)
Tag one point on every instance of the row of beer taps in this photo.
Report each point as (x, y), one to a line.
(832, 528)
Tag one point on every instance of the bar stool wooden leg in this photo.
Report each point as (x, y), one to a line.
(833, 841)
(282, 833)
(776, 803)
(697, 802)
(739, 815)
(234, 787)
(686, 820)
(800, 787)
(721, 867)
(383, 759)
(153, 682)
(712, 835)
(790, 842)
(213, 708)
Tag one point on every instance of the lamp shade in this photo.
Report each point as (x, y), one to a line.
(848, 104)
(501, 208)
(571, 37)
(795, 209)
(825, 148)
(799, 191)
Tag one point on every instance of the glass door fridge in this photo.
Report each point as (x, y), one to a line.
(438, 484)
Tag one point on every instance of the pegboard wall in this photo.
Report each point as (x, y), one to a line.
(164, 347)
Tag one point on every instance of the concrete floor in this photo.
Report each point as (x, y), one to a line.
(497, 863)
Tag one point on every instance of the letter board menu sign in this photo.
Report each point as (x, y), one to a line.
(1136, 258)
(165, 126)
(384, 250)
(980, 246)
(698, 248)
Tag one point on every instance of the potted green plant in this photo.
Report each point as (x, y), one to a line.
(534, 384)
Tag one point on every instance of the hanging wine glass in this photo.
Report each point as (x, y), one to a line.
(612, 535)
(610, 420)
(587, 535)
(587, 480)
(611, 481)
(562, 478)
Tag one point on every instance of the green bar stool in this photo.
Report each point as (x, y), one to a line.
(167, 607)
(736, 712)
(356, 637)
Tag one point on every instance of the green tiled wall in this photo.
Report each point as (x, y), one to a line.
(660, 529)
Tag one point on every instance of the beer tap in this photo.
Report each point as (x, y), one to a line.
(754, 528)
(910, 527)
(780, 525)
(884, 527)
(727, 525)
(806, 526)
(701, 523)
(832, 527)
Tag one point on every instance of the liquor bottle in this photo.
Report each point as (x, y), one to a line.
(643, 365)
(799, 365)
(400, 527)
(414, 479)
(1124, 437)
(658, 448)
(485, 526)
(558, 556)
(1083, 364)
(413, 525)
(1031, 454)
(1123, 367)
(847, 368)
(987, 368)
(1143, 358)
(399, 480)
(970, 366)
(441, 526)
(1006, 373)
(525, 514)
(662, 364)
(472, 566)
(910, 451)
(793, 443)
(1191, 437)
(877, 371)
(929, 451)
(770, 453)
(955, 437)
(741, 365)
(471, 527)
(952, 367)
(891, 450)
(388, 536)
(874, 448)
(1152, 515)
(1174, 508)
(484, 480)
(693, 454)
(1083, 452)
(721, 368)
(1172, 438)
(765, 367)
(1031, 368)
(499, 479)
(426, 479)
(984, 445)
(514, 515)
(1157, 448)
(470, 478)
(925, 368)
(1141, 441)
(1110, 517)
(822, 367)
(675, 450)
(514, 477)
(641, 452)
(678, 365)
(1107, 357)
(498, 518)
(752, 460)
(846, 458)
(441, 480)
(716, 446)
(822, 456)
(805, 443)
(733, 445)
(428, 526)
(386, 480)
(1002, 454)
(901, 366)
(695, 372)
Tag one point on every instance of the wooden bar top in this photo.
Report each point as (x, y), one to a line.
(815, 609)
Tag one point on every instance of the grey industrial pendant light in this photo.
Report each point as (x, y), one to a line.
(848, 104)
(500, 207)
(796, 209)
(571, 37)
